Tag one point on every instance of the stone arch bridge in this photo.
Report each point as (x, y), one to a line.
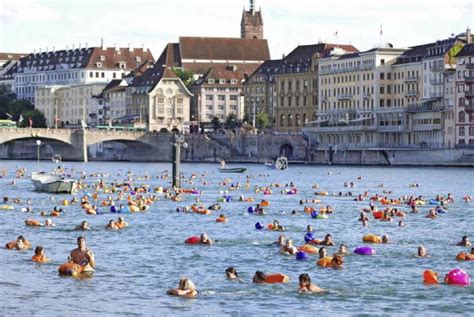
(75, 144)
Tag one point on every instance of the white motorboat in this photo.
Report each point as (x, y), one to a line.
(280, 163)
(52, 183)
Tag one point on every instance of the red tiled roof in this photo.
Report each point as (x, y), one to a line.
(12, 56)
(170, 56)
(215, 48)
(227, 72)
(112, 58)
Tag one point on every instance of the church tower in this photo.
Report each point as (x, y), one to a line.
(251, 26)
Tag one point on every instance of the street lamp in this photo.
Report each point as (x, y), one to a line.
(38, 144)
(176, 159)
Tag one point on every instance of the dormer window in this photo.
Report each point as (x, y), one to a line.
(221, 81)
(122, 65)
(210, 81)
(98, 64)
(233, 81)
(102, 57)
(138, 59)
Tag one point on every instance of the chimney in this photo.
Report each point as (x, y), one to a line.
(468, 36)
(85, 46)
(73, 47)
(79, 47)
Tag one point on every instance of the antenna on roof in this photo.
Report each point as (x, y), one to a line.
(102, 43)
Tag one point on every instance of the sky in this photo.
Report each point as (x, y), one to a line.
(30, 25)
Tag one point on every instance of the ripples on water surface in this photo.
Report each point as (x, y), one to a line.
(137, 265)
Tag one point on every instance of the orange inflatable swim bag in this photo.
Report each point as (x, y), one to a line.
(430, 277)
(325, 262)
(70, 269)
(371, 238)
(378, 214)
(265, 203)
(221, 219)
(32, 222)
(308, 249)
(11, 245)
(276, 278)
(39, 259)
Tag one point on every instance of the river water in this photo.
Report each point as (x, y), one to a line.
(136, 266)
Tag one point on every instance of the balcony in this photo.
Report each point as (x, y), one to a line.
(427, 127)
(470, 65)
(344, 97)
(411, 94)
(437, 68)
(469, 79)
(436, 95)
(469, 106)
(436, 81)
(410, 79)
(392, 128)
(427, 107)
(341, 128)
(469, 93)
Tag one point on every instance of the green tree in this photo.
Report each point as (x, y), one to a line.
(16, 107)
(6, 97)
(231, 121)
(186, 76)
(39, 121)
(216, 123)
(262, 120)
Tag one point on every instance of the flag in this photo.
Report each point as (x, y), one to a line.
(20, 120)
(381, 29)
(58, 119)
(335, 34)
(30, 121)
(8, 115)
(83, 124)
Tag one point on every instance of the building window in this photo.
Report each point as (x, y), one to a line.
(221, 97)
(382, 76)
(91, 74)
(382, 61)
(462, 131)
(462, 116)
(210, 97)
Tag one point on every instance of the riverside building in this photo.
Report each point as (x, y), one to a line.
(88, 65)
(388, 97)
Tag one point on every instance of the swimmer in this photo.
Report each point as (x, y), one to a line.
(342, 250)
(49, 223)
(276, 226)
(309, 228)
(83, 226)
(281, 241)
(306, 286)
(365, 223)
(337, 261)
(464, 242)
(231, 274)
(289, 248)
(322, 252)
(259, 278)
(83, 256)
(385, 239)
(363, 216)
(111, 225)
(40, 256)
(401, 223)
(186, 288)
(422, 251)
(205, 239)
(121, 223)
(432, 214)
(328, 240)
(19, 244)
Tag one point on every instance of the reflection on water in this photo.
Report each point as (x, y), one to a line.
(136, 266)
